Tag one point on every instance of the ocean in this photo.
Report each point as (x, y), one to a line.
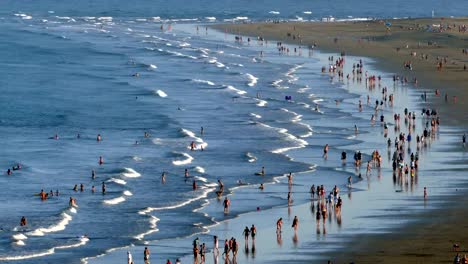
(71, 71)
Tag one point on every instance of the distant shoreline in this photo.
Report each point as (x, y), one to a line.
(374, 39)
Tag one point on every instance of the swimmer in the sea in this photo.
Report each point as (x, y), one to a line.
(103, 187)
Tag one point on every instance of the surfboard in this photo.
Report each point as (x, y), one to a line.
(258, 173)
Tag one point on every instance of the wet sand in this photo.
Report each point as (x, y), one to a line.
(429, 239)
(374, 39)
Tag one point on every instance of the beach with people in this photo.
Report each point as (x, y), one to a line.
(232, 140)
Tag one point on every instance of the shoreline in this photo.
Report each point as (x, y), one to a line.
(223, 228)
(371, 39)
(410, 242)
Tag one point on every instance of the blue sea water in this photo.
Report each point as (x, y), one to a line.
(105, 67)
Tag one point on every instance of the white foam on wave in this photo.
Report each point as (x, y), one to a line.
(210, 18)
(188, 159)
(152, 66)
(136, 158)
(184, 44)
(118, 181)
(199, 169)
(82, 241)
(274, 12)
(251, 157)
(261, 103)
(61, 225)
(19, 237)
(19, 243)
(115, 201)
(277, 83)
(307, 12)
(203, 81)
(161, 93)
(303, 90)
(256, 115)
(297, 117)
(109, 18)
(130, 173)
(203, 195)
(127, 193)
(153, 227)
(34, 255)
(232, 88)
(252, 79)
(299, 143)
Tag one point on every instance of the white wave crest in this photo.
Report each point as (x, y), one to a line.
(252, 79)
(238, 91)
(19, 237)
(203, 81)
(61, 225)
(188, 159)
(118, 181)
(114, 201)
(256, 115)
(204, 194)
(199, 169)
(161, 93)
(130, 173)
(261, 103)
(251, 157)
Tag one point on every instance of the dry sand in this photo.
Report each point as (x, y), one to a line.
(432, 238)
(374, 39)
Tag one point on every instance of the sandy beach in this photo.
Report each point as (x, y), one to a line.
(425, 43)
(404, 40)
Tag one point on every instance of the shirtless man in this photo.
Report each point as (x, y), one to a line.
(226, 204)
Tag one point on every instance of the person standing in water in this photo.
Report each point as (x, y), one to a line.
(103, 188)
(295, 223)
(279, 225)
(226, 204)
(253, 233)
(325, 151)
(146, 255)
(23, 221)
(129, 258)
(246, 234)
(464, 140)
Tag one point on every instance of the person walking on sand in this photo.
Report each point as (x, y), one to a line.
(295, 223)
